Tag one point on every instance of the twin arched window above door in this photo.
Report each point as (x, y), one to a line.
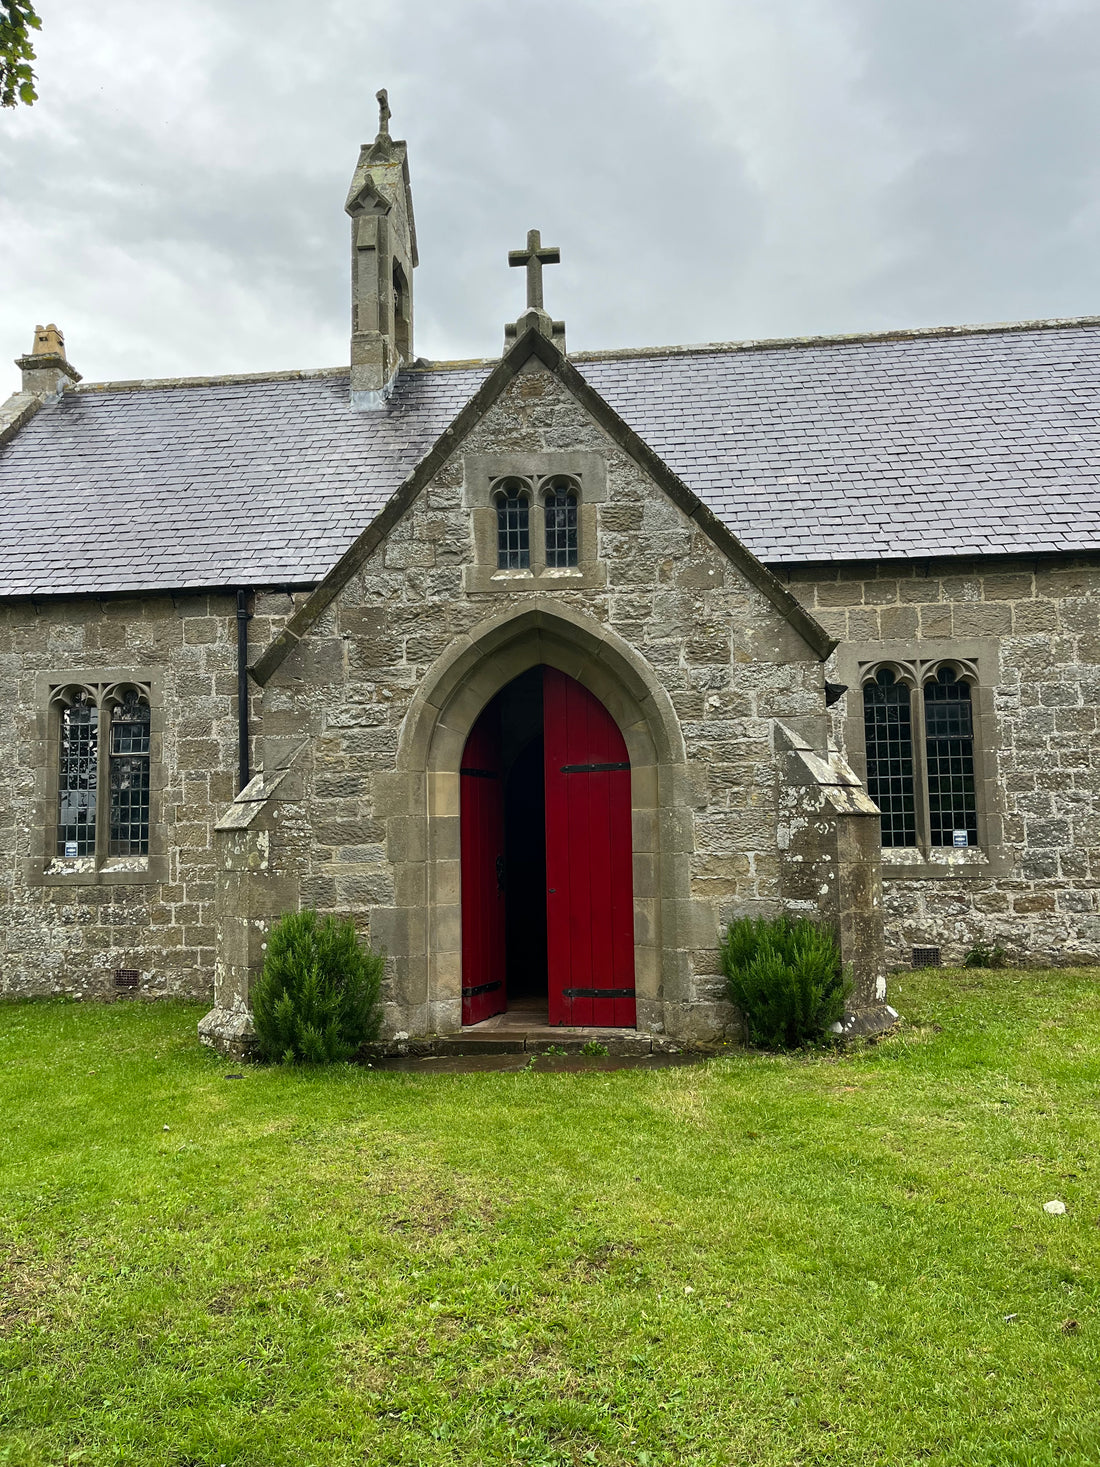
(919, 737)
(557, 497)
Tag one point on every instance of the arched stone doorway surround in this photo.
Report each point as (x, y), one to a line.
(423, 808)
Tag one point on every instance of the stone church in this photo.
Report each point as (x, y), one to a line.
(543, 668)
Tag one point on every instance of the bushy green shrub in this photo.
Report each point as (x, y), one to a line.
(981, 955)
(786, 977)
(316, 1000)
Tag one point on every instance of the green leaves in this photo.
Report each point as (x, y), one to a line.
(317, 999)
(786, 978)
(17, 19)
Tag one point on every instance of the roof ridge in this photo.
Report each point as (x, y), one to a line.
(615, 354)
(219, 379)
(894, 333)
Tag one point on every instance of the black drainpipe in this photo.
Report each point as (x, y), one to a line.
(243, 618)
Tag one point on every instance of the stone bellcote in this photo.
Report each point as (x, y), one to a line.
(383, 257)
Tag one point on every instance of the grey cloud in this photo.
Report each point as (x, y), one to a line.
(710, 168)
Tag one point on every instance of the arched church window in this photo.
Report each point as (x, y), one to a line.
(560, 497)
(513, 504)
(78, 776)
(949, 744)
(888, 732)
(129, 776)
(103, 771)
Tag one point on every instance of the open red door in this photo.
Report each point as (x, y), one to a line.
(481, 816)
(589, 874)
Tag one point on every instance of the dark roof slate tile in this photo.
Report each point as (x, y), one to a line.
(914, 447)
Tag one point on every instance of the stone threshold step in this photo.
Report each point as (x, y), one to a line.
(541, 1038)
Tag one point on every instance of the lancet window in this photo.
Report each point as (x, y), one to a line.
(560, 507)
(949, 740)
(129, 776)
(513, 506)
(78, 777)
(888, 732)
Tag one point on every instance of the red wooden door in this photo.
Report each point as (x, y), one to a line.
(589, 874)
(481, 819)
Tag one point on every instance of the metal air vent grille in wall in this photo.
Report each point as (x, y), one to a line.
(926, 957)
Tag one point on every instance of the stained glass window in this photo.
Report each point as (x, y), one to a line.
(129, 777)
(513, 525)
(949, 734)
(78, 778)
(888, 729)
(561, 523)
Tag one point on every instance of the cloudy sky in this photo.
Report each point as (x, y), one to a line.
(711, 170)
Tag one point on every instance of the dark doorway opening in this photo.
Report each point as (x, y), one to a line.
(524, 840)
(525, 875)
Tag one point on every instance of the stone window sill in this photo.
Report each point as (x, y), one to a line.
(98, 871)
(946, 863)
(538, 578)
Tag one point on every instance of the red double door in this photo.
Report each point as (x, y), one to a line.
(589, 883)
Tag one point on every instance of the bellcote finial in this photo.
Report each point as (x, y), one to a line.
(534, 257)
(384, 114)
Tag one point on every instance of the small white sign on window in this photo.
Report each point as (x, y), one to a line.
(960, 838)
(71, 848)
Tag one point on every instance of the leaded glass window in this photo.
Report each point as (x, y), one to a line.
(513, 525)
(561, 523)
(78, 777)
(888, 730)
(949, 735)
(129, 777)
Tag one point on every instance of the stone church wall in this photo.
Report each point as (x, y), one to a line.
(1032, 628)
(61, 932)
(334, 711)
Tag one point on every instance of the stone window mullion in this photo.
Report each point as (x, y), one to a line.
(538, 526)
(103, 770)
(920, 769)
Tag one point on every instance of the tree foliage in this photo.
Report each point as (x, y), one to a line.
(317, 998)
(17, 19)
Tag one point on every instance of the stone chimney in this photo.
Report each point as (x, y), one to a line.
(46, 372)
(383, 257)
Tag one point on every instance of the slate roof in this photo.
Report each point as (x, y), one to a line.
(925, 445)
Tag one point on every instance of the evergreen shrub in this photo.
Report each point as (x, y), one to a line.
(981, 955)
(317, 999)
(786, 977)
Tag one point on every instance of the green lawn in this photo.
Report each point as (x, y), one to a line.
(756, 1260)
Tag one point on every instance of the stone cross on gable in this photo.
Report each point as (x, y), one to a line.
(535, 256)
(384, 113)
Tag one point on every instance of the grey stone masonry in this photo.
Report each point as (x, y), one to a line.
(1027, 631)
(69, 926)
(370, 693)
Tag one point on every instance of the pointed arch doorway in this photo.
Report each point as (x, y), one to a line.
(546, 859)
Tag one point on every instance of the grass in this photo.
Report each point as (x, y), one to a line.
(809, 1260)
